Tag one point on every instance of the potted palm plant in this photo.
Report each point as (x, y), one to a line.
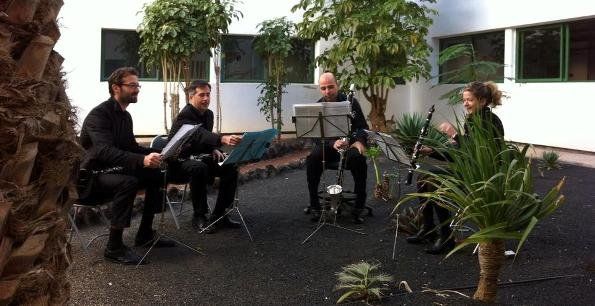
(489, 186)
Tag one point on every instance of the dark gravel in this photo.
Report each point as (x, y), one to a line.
(276, 269)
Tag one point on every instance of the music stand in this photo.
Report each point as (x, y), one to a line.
(393, 150)
(324, 120)
(252, 147)
(170, 151)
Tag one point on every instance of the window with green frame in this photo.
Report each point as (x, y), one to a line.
(488, 46)
(119, 48)
(240, 63)
(560, 52)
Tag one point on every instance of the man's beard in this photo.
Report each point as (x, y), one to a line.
(128, 98)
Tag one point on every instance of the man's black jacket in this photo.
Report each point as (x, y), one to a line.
(203, 140)
(108, 139)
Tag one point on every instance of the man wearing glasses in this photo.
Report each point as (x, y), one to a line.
(109, 142)
(354, 154)
(202, 172)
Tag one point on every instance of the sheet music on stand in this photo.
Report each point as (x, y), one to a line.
(391, 148)
(252, 146)
(172, 148)
(335, 115)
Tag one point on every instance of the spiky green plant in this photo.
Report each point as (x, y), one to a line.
(550, 161)
(408, 129)
(362, 281)
(489, 185)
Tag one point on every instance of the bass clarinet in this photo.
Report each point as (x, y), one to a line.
(423, 133)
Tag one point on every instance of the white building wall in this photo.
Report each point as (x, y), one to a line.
(81, 23)
(554, 114)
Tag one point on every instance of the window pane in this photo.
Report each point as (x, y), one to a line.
(300, 63)
(581, 61)
(540, 53)
(487, 47)
(199, 67)
(119, 48)
(240, 62)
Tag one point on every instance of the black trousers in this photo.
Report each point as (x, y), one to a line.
(354, 161)
(121, 189)
(431, 207)
(199, 174)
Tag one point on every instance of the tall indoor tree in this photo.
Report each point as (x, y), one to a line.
(38, 155)
(375, 44)
(274, 44)
(172, 31)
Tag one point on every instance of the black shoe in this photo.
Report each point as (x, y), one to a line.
(422, 236)
(441, 245)
(147, 241)
(356, 213)
(357, 219)
(229, 222)
(315, 214)
(123, 255)
(200, 223)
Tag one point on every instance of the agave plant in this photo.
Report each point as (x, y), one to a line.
(490, 186)
(362, 281)
(408, 129)
(550, 161)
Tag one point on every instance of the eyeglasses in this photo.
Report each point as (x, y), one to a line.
(133, 85)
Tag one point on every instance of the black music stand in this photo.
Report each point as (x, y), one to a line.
(394, 152)
(171, 151)
(252, 147)
(322, 121)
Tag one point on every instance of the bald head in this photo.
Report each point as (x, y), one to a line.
(328, 87)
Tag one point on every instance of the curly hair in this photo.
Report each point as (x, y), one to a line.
(487, 91)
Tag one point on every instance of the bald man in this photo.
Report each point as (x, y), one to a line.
(354, 155)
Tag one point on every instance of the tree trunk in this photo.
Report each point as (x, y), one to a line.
(38, 155)
(491, 258)
(376, 116)
(278, 105)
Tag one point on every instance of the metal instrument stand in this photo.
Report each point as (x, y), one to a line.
(256, 144)
(324, 209)
(162, 223)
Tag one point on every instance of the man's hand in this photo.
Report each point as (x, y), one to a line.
(425, 150)
(359, 146)
(447, 129)
(153, 160)
(218, 156)
(230, 140)
(340, 144)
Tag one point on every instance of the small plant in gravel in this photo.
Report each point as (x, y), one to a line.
(362, 281)
(380, 190)
(550, 161)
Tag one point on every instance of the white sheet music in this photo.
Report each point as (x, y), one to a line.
(391, 148)
(176, 141)
(335, 115)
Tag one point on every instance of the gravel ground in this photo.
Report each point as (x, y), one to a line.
(276, 269)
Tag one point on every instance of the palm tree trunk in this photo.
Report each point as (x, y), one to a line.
(491, 258)
(38, 154)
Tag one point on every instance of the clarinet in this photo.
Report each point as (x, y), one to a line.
(423, 133)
